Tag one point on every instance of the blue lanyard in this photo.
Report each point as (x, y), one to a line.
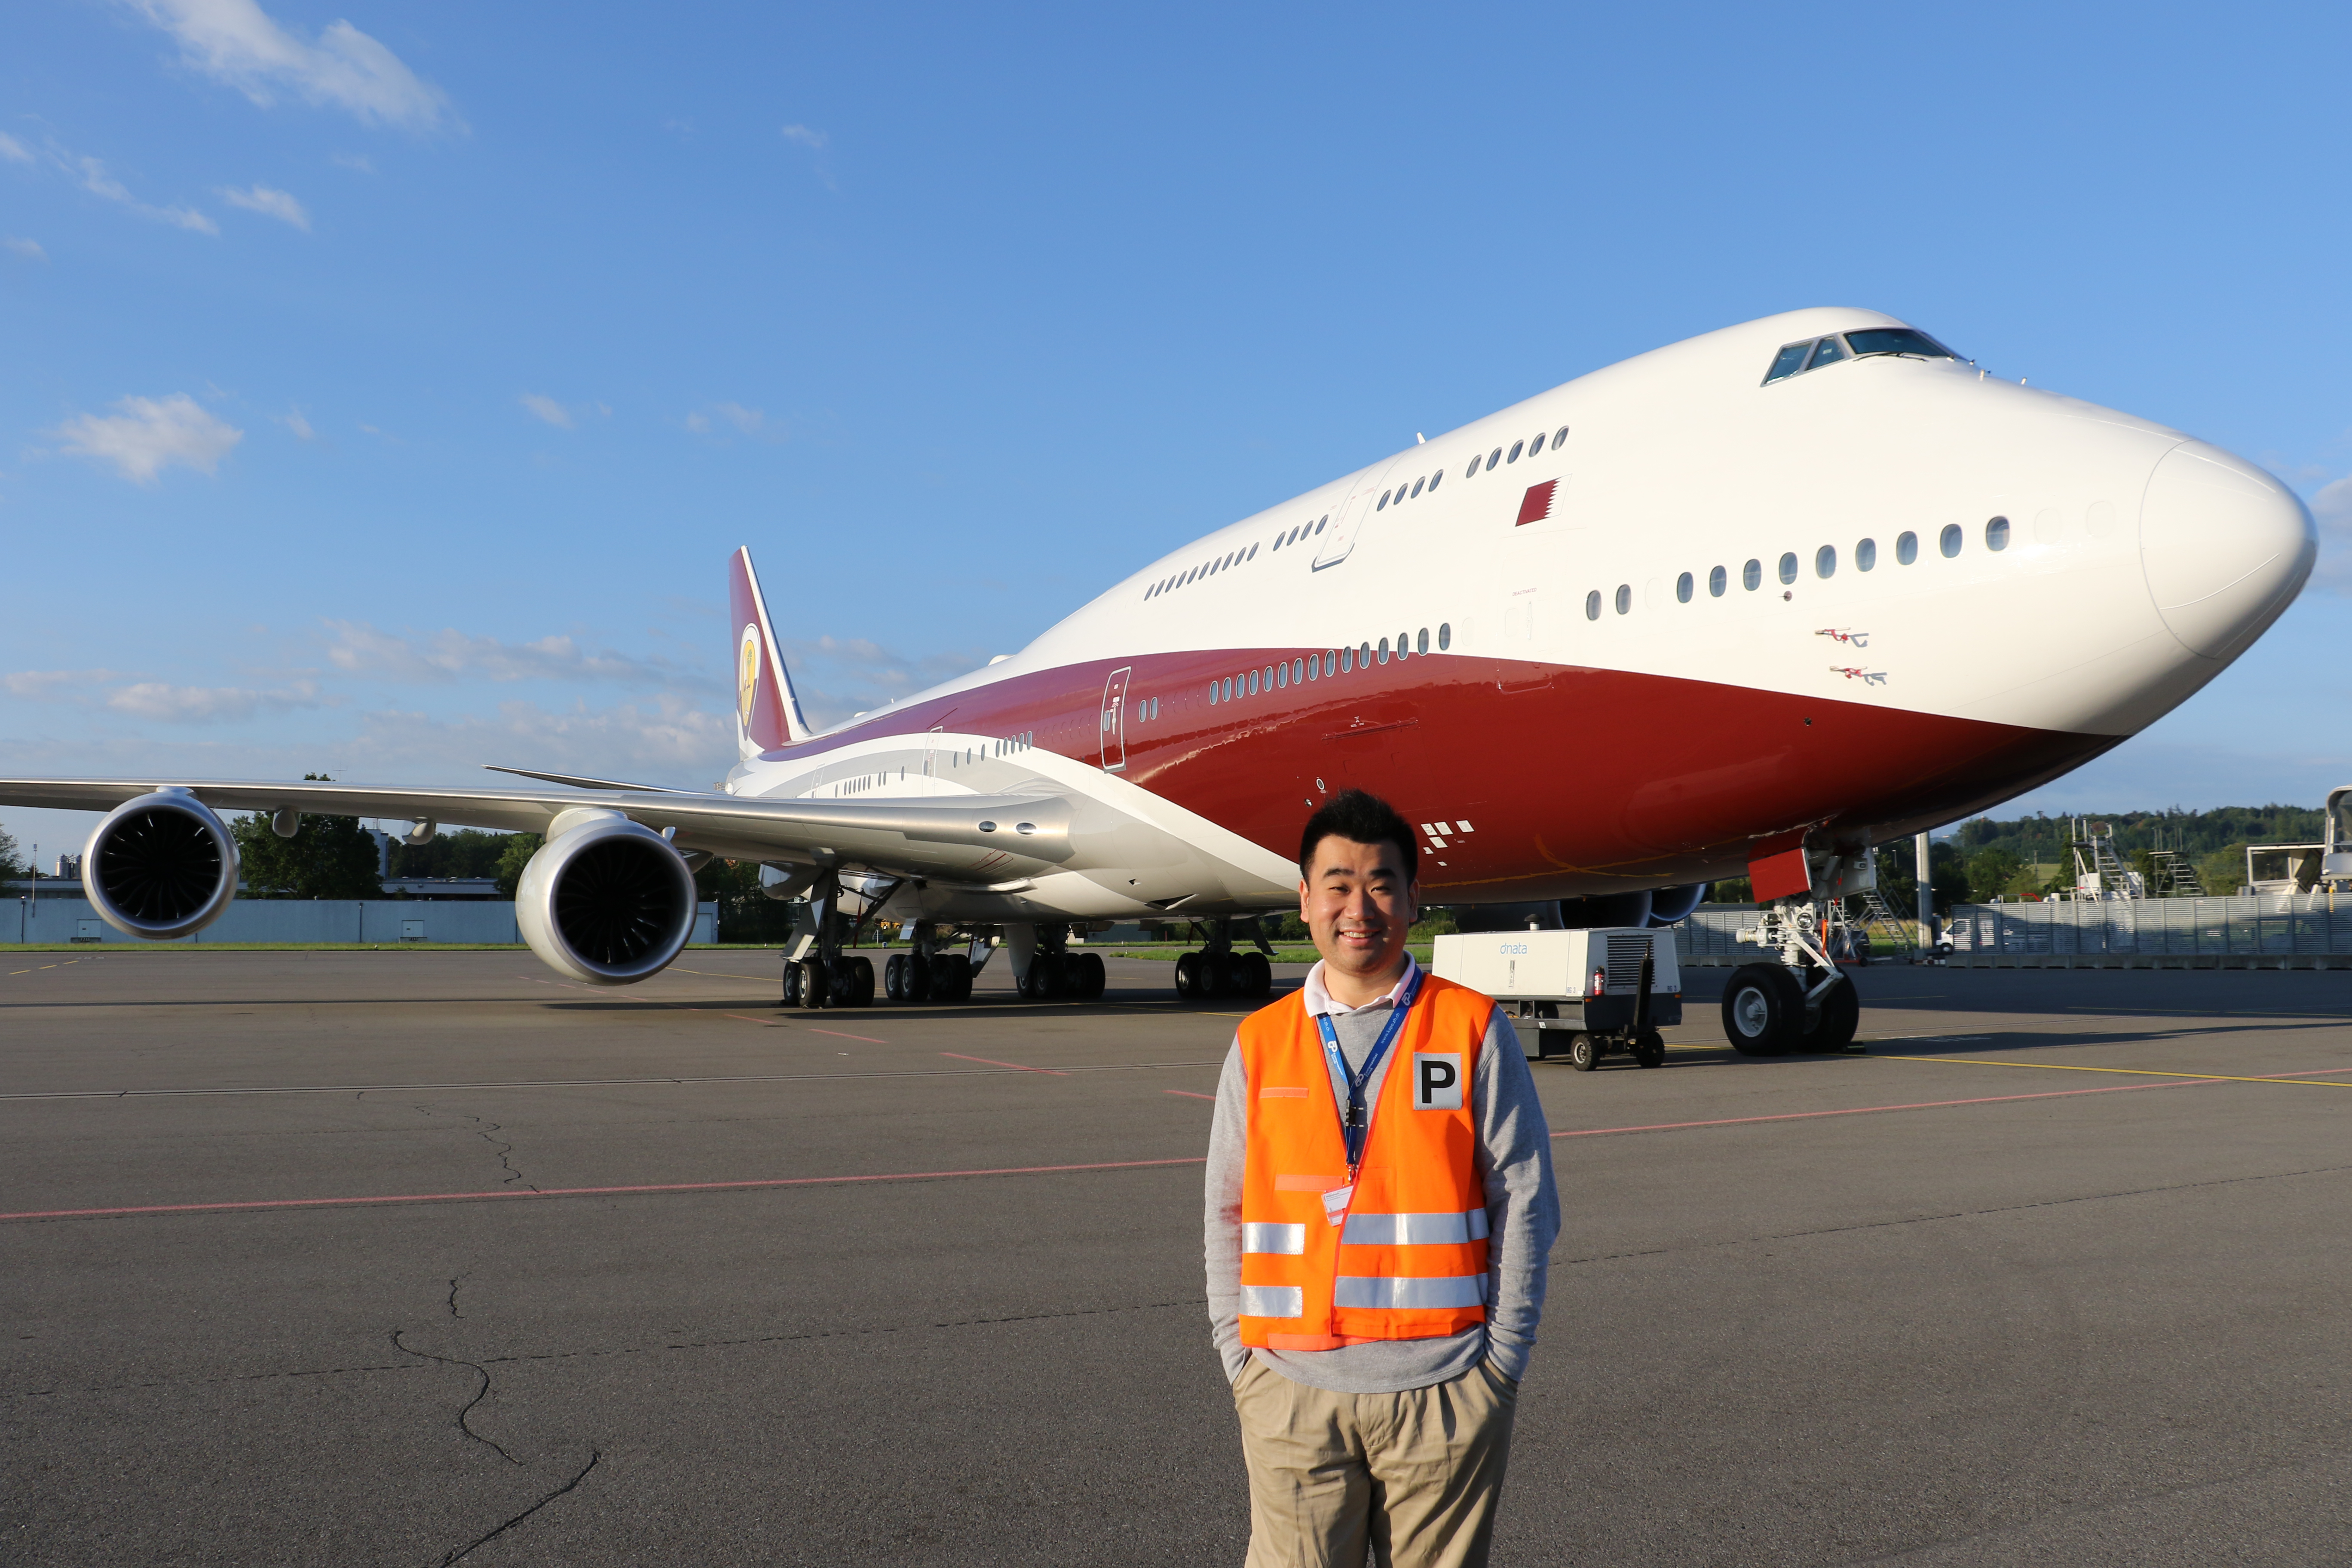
(1354, 1123)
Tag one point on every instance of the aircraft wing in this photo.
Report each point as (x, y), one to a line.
(967, 838)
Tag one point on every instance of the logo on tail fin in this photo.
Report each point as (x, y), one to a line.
(747, 674)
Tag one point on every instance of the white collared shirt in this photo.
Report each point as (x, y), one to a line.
(1319, 1001)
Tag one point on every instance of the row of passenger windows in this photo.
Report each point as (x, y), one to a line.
(1825, 565)
(1330, 662)
(1401, 494)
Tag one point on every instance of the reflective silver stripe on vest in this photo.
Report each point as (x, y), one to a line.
(1260, 1235)
(1413, 1229)
(1399, 1294)
(1274, 1301)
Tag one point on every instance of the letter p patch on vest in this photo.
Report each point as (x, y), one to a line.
(1436, 1081)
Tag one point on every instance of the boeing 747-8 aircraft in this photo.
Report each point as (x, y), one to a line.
(1748, 603)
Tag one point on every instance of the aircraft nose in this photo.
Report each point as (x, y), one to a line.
(2224, 546)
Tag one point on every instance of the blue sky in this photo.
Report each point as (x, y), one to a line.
(386, 383)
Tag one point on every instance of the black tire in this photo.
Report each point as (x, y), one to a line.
(1188, 977)
(861, 982)
(1257, 975)
(1085, 976)
(1583, 1051)
(816, 983)
(1838, 1015)
(792, 984)
(1763, 1010)
(1650, 1050)
(951, 977)
(1043, 981)
(1217, 975)
(894, 977)
(915, 981)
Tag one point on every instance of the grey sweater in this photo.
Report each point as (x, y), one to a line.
(1514, 1164)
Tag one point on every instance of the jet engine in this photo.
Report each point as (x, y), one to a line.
(160, 865)
(1670, 906)
(606, 901)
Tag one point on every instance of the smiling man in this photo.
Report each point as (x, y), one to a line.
(1380, 1212)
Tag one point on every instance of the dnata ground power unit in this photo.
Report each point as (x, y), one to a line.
(1586, 993)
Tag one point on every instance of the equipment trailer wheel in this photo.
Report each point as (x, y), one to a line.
(1583, 1051)
(1763, 1010)
(1650, 1050)
(1839, 1014)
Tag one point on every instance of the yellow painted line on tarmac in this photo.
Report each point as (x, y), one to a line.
(2136, 1072)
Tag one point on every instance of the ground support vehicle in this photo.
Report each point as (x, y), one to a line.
(1582, 995)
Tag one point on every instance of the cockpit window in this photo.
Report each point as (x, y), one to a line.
(1787, 361)
(1897, 341)
(1815, 353)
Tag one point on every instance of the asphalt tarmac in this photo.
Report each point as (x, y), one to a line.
(417, 1258)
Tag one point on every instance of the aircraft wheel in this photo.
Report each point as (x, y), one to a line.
(915, 980)
(1188, 977)
(861, 982)
(1257, 975)
(894, 977)
(1583, 1051)
(951, 977)
(1650, 1050)
(816, 983)
(1217, 974)
(792, 984)
(1085, 976)
(1043, 981)
(1839, 1014)
(1763, 1009)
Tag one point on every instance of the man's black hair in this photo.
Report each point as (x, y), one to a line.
(1364, 819)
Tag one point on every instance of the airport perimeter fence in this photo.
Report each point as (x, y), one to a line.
(389, 922)
(2267, 930)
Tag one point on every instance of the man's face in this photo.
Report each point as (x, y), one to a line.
(1361, 905)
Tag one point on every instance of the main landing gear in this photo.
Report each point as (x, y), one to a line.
(1805, 1002)
(1217, 972)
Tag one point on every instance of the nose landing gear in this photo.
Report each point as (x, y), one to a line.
(1805, 1002)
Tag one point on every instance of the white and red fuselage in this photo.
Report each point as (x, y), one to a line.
(1630, 633)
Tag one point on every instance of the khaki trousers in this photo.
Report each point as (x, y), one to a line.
(1413, 1478)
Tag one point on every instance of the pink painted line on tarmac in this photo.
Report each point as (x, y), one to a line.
(1014, 1066)
(1875, 1110)
(593, 1192)
(1188, 1094)
(837, 1035)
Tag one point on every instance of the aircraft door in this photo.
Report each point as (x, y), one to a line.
(1359, 505)
(1111, 723)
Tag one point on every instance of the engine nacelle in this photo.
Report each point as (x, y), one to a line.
(1605, 909)
(606, 901)
(160, 867)
(1670, 906)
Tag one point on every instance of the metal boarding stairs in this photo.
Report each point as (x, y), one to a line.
(2099, 871)
(1889, 937)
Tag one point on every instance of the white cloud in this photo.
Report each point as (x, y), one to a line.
(145, 437)
(804, 136)
(14, 151)
(2332, 510)
(752, 422)
(353, 161)
(280, 205)
(547, 408)
(207, 704)
(90, 174)
(52, 685)
(835, 677)
(30, 250)
(667, 741)
(234, 41)
(292, 419)
(357, 648)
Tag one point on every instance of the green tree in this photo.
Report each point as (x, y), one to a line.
(328, 858)
(513, 856)
(466, 852)
(1992, 872)
(12, 863)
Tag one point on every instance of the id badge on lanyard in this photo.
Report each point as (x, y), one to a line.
(1354, 1119)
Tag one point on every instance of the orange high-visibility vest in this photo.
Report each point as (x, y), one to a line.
(1407, 1259)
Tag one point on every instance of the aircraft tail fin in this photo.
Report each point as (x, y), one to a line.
(767, 709)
